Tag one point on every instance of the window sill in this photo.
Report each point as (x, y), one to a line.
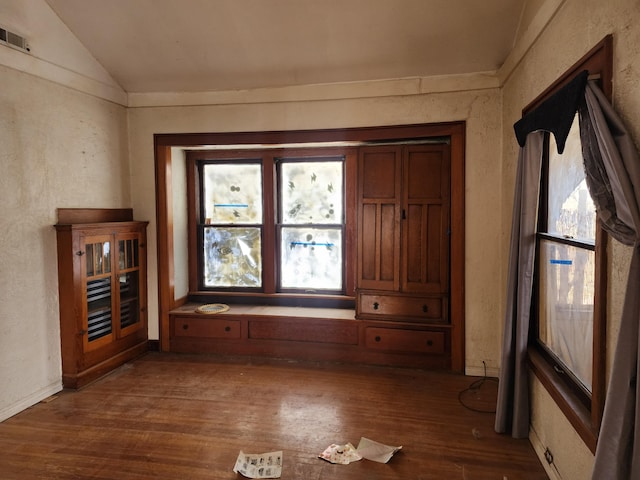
(272, 311)
(578, 415)
(276, 299)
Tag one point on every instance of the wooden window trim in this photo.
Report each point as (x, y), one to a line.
(598, 61)
(164, 142)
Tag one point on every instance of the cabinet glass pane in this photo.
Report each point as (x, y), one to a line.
(122, 255)
(232, 193)
(129, 299)
(90, 258)
(127, 254)
(566, 306)
(232, 257)
(311, 192)
(97, 261)
(99, 316)
(98, 258)
(136, 258)
(311, 258)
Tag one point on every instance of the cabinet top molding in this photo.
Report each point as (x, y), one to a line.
(94, 215)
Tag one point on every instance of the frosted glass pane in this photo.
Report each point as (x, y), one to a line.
(311, 192)
(572, 213)
(566, 306)
(232, 193)
(232, 257)
(311, 258)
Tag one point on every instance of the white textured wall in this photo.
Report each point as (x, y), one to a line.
(576, 28)
(481, 109)
(59, 148)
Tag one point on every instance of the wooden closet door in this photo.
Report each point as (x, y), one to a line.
(379, 192)
(425, 219)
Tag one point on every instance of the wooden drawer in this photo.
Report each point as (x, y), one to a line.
(427, 308)
(205, 327)
(400, 340)
(343, 332)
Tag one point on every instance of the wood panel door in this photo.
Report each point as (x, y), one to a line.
(403, 218)
(379, 196)
(425, 219)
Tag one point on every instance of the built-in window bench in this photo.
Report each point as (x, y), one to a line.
(316, 334)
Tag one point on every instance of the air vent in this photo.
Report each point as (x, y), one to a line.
(13, 40)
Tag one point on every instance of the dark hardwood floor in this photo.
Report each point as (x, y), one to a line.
(168, 416)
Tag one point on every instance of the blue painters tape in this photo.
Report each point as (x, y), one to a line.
(561, 262)
(231, 205)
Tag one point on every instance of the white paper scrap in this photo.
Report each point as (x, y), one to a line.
(375, 451)
(262, 465)
(341, 454)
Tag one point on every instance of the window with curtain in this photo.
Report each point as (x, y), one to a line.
(567, 336)
(566, 242)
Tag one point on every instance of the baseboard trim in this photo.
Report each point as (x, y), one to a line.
(30, 400)
(481, 371)
(540, 449)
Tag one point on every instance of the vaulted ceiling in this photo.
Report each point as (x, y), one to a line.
(212, 45)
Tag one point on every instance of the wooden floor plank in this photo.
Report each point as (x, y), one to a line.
(168, 416)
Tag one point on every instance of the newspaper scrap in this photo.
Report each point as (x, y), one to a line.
(375, 451)
(341, 454)
(262, 465)
(369, 449)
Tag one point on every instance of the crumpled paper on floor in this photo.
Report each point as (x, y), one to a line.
(261, 465)
(341, 454)
(375, 451)
(369, 449)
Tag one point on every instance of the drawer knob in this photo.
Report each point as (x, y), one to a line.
(376, 305)
(227, 328)
(430, 343)
(425, 308)
(377, 339)
(185, 326)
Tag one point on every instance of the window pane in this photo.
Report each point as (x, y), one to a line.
(566, 306)
(232, 193)
(311, 258)
(572, 213)
(311, 192)
(232, 257)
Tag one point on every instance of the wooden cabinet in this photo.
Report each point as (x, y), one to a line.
(403, 244)
(103, 297)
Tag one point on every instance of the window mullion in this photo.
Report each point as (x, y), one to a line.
(269, 242)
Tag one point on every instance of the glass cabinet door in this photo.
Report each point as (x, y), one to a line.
(99, 317)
